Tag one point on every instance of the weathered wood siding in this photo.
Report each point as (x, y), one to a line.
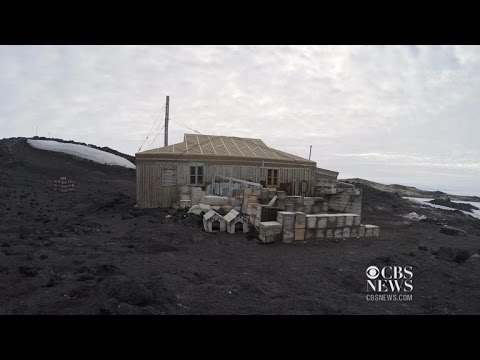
(158, 181)
(151, 175)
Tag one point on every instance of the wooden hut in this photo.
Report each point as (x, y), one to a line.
(200, 160)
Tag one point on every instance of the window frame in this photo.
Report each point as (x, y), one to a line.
(273, 179)
(196, 174)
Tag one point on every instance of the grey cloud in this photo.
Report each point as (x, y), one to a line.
(389, 113)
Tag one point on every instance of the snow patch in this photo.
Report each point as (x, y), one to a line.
(82, 151)
(414, 216)
(423, 201)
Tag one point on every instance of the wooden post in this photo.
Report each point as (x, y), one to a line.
(166, 120)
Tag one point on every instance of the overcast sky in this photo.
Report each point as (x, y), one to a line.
(393, 114)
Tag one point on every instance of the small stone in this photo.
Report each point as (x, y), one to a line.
(445, 253)
(110, 306)
(423, 248)
(28, 271)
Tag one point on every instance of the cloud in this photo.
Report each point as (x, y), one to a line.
(380, 112)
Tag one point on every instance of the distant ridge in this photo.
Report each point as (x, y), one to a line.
(411, 191)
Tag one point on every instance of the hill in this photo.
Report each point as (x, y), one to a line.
(411, 191)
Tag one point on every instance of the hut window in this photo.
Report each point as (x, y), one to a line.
(196, 175)
(272, 177)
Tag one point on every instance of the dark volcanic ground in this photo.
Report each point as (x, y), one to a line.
(92, 252)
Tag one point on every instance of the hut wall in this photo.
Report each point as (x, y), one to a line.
(158, 181)
(156, 184)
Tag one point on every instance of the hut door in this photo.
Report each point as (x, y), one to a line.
(169, 174)
(287, 187)
(169, 193)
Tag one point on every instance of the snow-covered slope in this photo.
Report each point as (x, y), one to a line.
(422, 201)
(82, 151)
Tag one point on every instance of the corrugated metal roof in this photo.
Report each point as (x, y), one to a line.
(225, 146)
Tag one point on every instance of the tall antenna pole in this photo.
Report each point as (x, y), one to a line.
(310, 152)
(166, 121)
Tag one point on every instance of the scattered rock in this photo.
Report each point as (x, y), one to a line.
(106, 269)
(445, 253)
(79, 292)
(85, 274)
(128, 309)
(461, 256)
(450, 230)
(29, 271)
(51, 281)
(86, 277)
(129, 290)
(423, 248)
(109, 307)
(47, 242)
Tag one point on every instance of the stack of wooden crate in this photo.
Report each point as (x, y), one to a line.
(287, 220)
(270, 231)
(308, 203)
(281, 196)
(343, 226)
(311, 227)
(196, 194)
(300, 223)
(289, 203)
(64, 185)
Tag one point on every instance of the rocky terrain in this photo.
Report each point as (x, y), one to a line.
(92, 252)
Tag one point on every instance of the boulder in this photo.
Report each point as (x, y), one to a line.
(475, 257)
(461, 256)
(450, 230)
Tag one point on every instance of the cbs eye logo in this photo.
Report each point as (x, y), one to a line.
(372, 272)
